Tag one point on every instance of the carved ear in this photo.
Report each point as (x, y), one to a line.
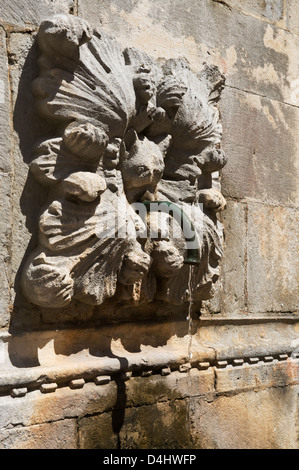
(163, 142)
(215, 82)
(122, 152)
(130, 138)
(64, 34)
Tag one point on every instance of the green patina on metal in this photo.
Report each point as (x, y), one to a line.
(192, 254)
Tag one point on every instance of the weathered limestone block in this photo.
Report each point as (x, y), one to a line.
(230, 290)
(175, 386)
(36, 408)
(231, 340)
(202, 422)
(269, 10)
(201, 29)
(292, 16)
(261, 139)
(260, 375)
(167, 425)
(5, 111)
(58, 435)
(186, 403)
(272, 267)
(96, 432)
(156, 426)
(250, 420)
(5, 251)
(132, 414)
(60, 358)
(233, 266)
(5, 184)
(233, 273)
(27, 194)
(30, 13)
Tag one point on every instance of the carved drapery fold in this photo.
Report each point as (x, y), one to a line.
(127, 129)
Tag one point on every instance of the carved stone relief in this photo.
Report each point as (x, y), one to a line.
(131, 162)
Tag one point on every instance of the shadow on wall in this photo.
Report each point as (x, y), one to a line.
(59, 346)
(29, 128)
(157, 423)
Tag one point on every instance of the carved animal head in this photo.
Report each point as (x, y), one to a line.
(142, 164)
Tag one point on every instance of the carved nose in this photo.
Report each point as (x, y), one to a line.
(192, 245)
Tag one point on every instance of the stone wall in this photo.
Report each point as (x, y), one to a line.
(241, 388)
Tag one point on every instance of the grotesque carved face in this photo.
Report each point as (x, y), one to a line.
(141, 165)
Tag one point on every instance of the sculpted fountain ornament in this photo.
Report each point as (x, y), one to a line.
(128, 132)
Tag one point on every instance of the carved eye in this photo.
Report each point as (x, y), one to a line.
(157, 171)
(143, 169)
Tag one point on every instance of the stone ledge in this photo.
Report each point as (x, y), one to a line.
(278, 373)
(58, 403)
(69, 358)
(42, 379)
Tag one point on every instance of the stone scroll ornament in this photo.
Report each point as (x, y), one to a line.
(129, 132)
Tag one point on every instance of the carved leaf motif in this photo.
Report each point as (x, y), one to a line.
(53, 162)
(97, 274)
(46, 279)
(65, 225)
(197, 114)
(97, 89)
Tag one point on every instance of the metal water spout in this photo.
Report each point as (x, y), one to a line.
(192, 252)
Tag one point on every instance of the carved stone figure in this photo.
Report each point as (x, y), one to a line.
(129, 133)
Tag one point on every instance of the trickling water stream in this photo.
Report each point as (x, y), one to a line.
(189, 317)
(190, 289)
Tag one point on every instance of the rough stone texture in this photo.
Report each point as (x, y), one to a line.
(272, 11)
(21, 70)
(30, 13)
(5, 160)
(158, 426)
(248, 377)
(163, 425)
(261, 273)
(27, 195)
(5, 237)
(96, 432)
(5, 184)
(260, 137)
(238, 421)
(195, 423)
(233, 278)
(60, 435)
(230, 290)
(216, 408)
(35, 408)
(273, 240)
(212, 31)
(292, 19)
